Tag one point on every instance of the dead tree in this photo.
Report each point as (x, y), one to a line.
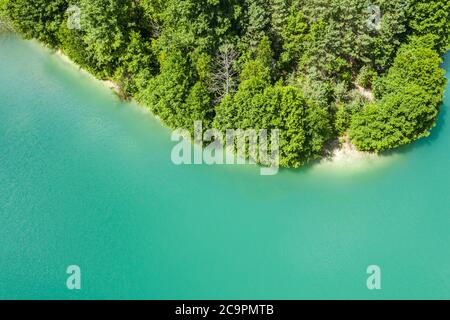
(224, 75)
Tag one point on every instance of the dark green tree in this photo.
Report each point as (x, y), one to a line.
(431, 17)
(38, 19)
(399, 118)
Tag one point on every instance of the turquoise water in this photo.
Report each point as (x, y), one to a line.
(87, 180)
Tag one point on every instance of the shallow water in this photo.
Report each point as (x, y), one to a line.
(87, 180)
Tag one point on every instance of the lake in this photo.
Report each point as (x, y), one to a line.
(87, 180)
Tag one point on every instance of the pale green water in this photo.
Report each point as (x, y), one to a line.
(87, 180)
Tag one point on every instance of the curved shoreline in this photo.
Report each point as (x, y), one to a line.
(108, 83)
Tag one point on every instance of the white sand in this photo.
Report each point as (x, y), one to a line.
(348, 155)
(346, 158)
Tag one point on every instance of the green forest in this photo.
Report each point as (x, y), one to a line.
(315, 69)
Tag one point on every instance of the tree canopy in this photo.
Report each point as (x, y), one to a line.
(315, 69)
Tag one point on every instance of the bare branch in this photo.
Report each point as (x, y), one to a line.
(223, 80)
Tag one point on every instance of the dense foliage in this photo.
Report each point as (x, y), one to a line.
(316, 69)
(305, 127)
(410, 95)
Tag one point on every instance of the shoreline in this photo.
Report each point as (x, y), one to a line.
(109, 84)
(65, 58)
(344, 154)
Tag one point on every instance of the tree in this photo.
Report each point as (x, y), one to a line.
(136, 66)
(431, 17)
(410, 96)
(291, 64)
(399, 118)
(279, 12)
(293, 35)
(305, 127)
(40, 19)
(224, 77)
(416, 63)
(5, 22)
(175, 96)
(105, 24)
(385, 41)
(258, 18)
(167, 92)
